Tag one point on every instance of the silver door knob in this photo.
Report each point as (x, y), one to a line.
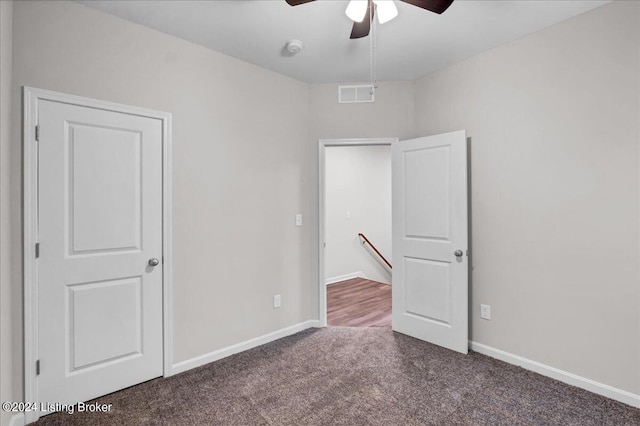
(154, 262)
(458, 253)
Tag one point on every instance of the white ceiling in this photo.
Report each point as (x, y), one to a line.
(412, 45)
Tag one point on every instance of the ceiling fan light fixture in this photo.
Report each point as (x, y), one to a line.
(357, 9)
(386, 9)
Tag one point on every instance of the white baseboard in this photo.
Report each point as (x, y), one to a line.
(349, 276)
(560, 375)
(17, 420)
(181, 366)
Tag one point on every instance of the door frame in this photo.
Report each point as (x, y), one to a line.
(31, 98)
(322, 145)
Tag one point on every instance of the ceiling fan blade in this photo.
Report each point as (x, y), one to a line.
(436, 6)
(297, 2)
(361, 29)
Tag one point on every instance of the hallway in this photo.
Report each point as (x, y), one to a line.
(359, 302)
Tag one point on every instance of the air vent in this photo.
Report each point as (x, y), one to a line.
(355, 94)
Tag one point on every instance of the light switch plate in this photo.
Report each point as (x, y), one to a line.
(299, 219)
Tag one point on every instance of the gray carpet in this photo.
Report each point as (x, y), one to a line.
(354, 376)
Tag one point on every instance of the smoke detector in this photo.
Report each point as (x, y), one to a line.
(294, 46)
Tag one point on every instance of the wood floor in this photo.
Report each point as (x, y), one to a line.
(359, 302)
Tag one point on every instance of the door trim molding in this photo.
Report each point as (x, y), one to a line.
(31, 98)
(322, 145)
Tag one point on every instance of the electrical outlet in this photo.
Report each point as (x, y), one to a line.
(485, 312)
(276, 301)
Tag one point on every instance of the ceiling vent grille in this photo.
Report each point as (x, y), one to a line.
(355, 94)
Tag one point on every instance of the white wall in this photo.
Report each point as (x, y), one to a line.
(6, 333)
(554, 121)
(358, 181)
(240, 153)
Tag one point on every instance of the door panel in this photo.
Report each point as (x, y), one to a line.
(104, 189)
(428, 289)
(427, 193)
(95, 338)
(100, 221)
(429, 202)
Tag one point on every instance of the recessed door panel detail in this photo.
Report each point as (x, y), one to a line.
(428, 289)
(427, 196)
(105, 322)
(104, 189)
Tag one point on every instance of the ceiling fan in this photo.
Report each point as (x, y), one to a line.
(362, 11)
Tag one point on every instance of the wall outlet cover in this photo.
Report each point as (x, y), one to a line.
(485, 312)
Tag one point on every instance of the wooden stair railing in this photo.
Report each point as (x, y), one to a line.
(365, 240)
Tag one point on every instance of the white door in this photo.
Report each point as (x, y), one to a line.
(429, 239)
(100, 227)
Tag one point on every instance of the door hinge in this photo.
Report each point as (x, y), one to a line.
(38, 133)
(37, 367)
(37, 250)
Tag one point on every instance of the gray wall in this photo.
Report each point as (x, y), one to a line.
(391, 115)
(239, 165)
(554, 122)
(358, 181)
(6, 333)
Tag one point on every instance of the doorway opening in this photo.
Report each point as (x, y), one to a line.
(355, 232)
(430, 230)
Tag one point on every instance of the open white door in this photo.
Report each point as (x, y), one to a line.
(430, 239)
